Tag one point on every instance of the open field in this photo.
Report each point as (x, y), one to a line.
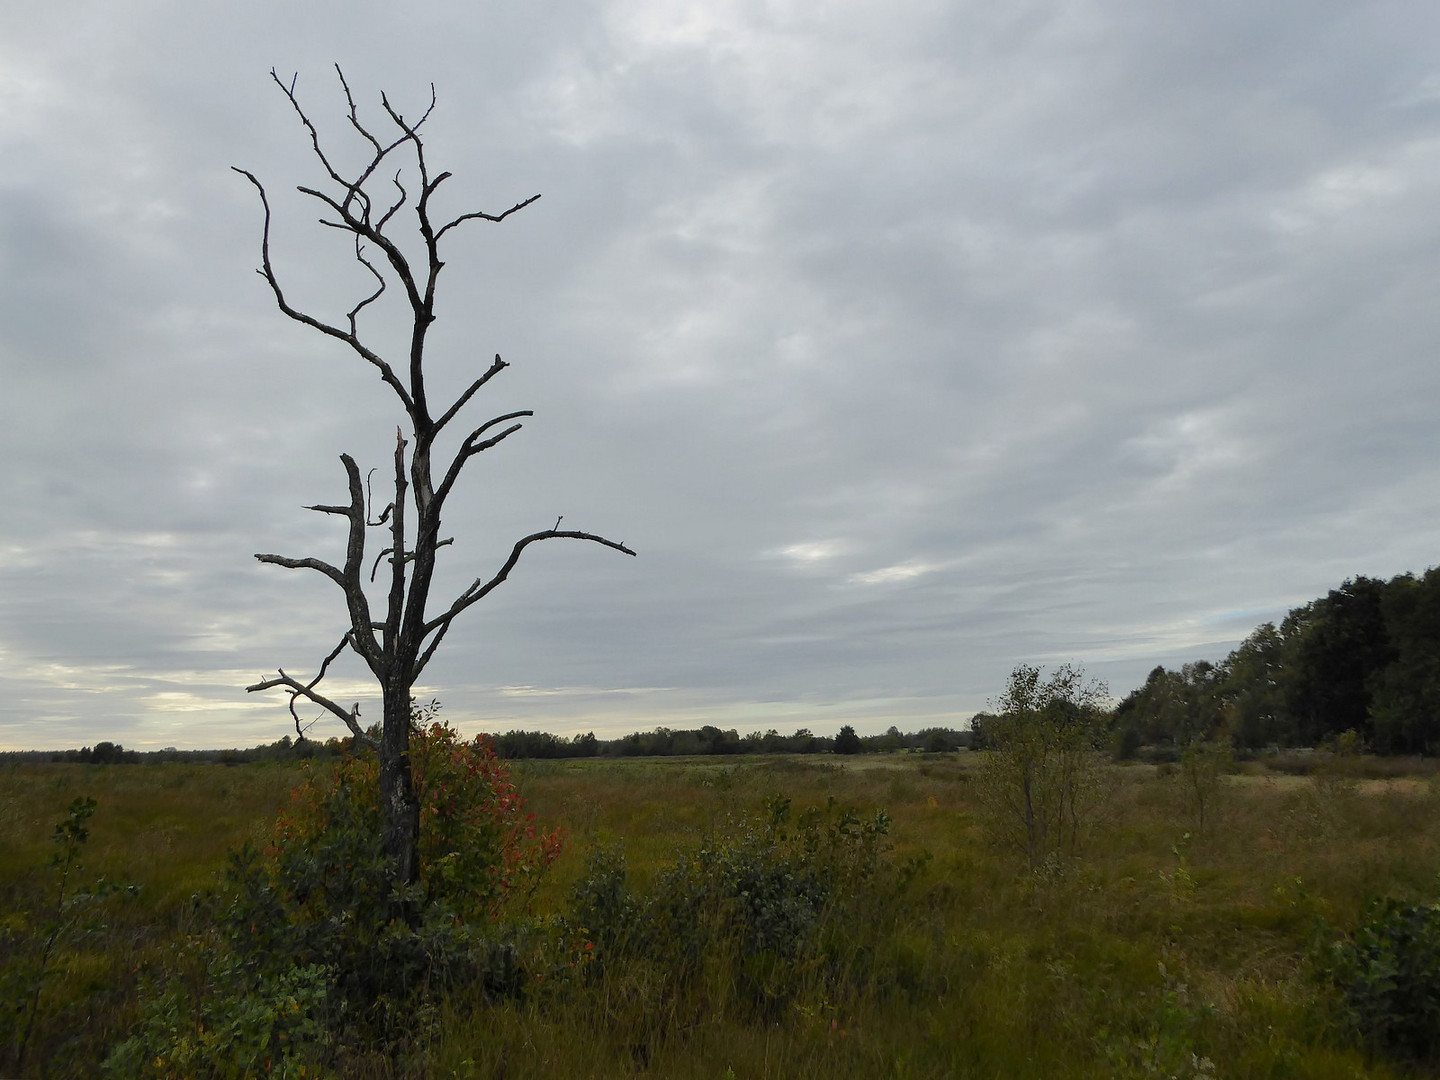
(1159, 951)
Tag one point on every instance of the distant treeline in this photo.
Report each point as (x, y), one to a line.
(670, 742)
(109, 753)
(516, 745)
(1365, 658)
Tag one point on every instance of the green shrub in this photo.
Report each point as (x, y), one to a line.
(479, 849)
(1388, 972)
(316, 947)
(601, 903)
(35, 937)
(757, 907)
(323, 894)
(274, 1025)
(1041, 780)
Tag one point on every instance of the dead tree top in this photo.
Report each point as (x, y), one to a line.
(398, 646)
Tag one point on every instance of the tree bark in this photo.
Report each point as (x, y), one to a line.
(400, 808)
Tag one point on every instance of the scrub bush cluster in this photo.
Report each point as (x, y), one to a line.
(761, 910)
(314, 948)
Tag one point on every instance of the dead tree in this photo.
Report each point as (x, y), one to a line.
(398, 644)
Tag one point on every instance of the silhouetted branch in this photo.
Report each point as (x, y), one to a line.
(481, 588)
(297, 689)
(478, 216)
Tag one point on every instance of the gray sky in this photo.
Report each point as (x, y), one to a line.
(904, 342)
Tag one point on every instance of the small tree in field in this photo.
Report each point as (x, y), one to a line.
(1041, 778)
(1203, 765)
(399, 639)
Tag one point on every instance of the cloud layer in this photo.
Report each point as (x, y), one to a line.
(904, 346)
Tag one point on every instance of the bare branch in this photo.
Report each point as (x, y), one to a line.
(300, 731)
(305, 564)
(351, 717)
(355, 116)
(361, 629)
(307, 690)
(329, 201)
(395, 206)
(470, 391)
(479, 216)
(409, 556)
(370, 502)
(361, 633)
(354, 314)
(325, 664)
(267, 271)
(469, 448)
(481, 588)
(356, 190)
(410, 129)
(289, 92)
(395, 603)
(488, 443)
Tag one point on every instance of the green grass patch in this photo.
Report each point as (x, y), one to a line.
(1152, 952)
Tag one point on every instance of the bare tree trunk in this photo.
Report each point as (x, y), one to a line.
(400, 808)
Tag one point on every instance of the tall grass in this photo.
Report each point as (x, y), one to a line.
(164, 828)
(1156, 951)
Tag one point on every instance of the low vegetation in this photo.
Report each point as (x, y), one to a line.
(765, 916)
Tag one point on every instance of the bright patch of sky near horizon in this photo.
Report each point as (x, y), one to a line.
(903, 345)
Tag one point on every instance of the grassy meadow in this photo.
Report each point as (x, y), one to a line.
(1160, 950)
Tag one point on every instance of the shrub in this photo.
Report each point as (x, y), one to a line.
(1040, 778)
(33, 941)
(479, 849)
(1202, 772)
(759, 906)
(1388, 972)
(316, 946)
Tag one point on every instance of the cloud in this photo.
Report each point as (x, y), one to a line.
(903, 345)
(906, 571)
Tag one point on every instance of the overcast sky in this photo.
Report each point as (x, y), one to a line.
(903, 342)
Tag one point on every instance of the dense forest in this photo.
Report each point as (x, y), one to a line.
(1365, 659)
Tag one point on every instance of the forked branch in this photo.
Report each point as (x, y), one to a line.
(362, 629)
(297, 689)
(349, 337)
